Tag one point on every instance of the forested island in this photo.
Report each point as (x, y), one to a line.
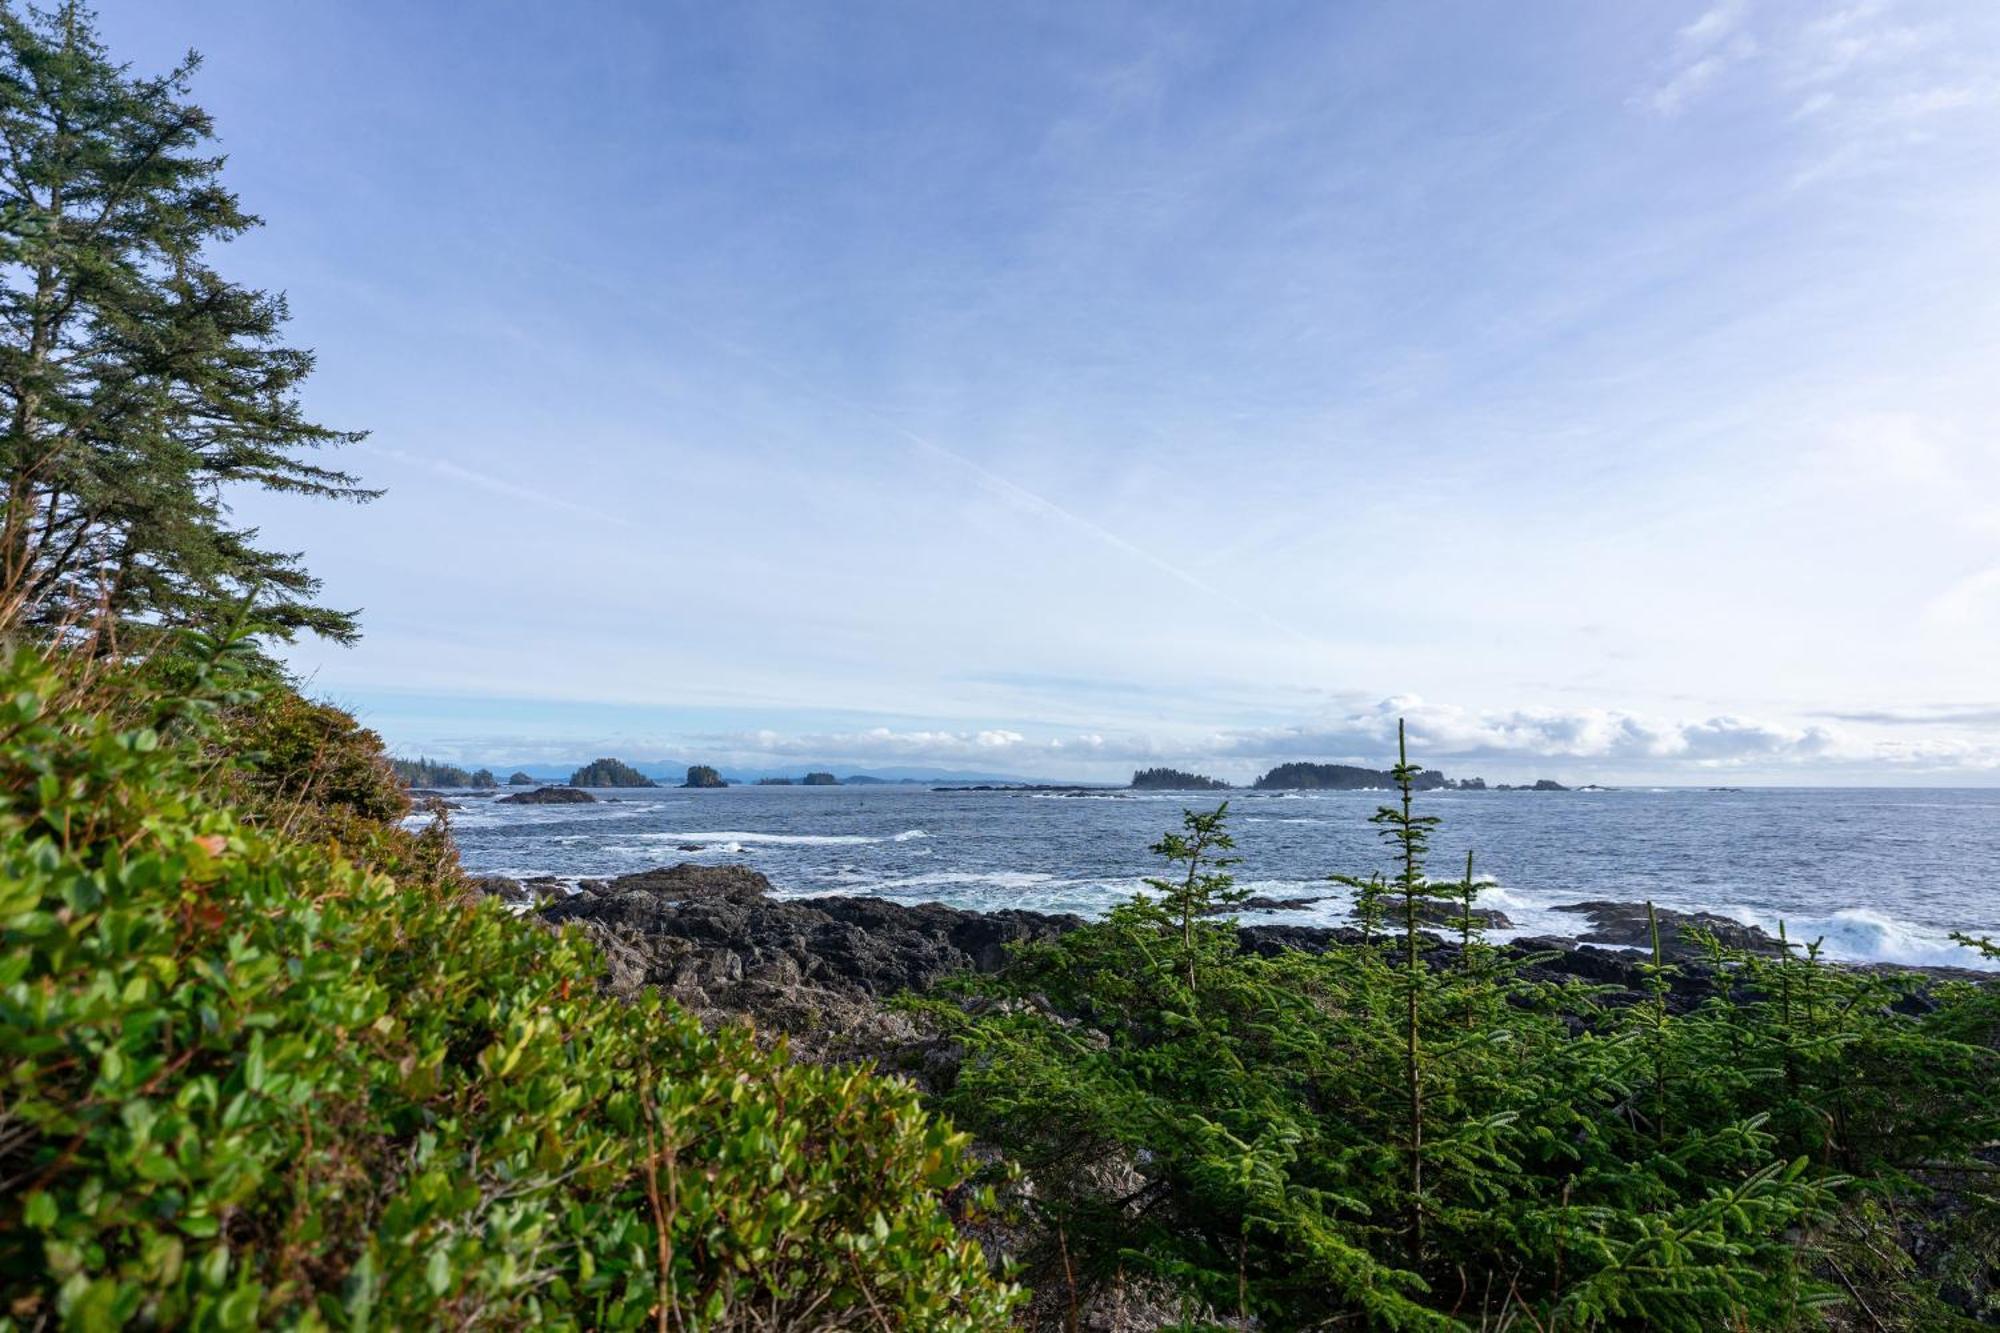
(609, 773)
(701, 775)
(1341, 777)
(431, 773)
(1174, 779)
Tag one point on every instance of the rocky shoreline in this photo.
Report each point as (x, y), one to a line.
(818, 970)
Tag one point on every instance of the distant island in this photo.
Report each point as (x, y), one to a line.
(701, 775)
(519, 779)
(1342, 777)
(772, 782)
(430, 773)
(609, 773)
(1350, 777)
(1174, 779)
(819, 779)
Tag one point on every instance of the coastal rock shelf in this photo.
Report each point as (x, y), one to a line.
(719, 940)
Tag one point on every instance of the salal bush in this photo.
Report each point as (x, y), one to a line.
(249, 1083)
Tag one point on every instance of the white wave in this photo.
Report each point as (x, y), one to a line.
(999, 879)
(740, 839)
(1864, 935)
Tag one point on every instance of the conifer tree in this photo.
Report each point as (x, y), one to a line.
(138, 385)
(1204, 885)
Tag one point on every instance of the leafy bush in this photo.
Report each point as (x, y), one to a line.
(1403, 1134)
(250, 1082)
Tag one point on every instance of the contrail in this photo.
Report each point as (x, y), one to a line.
(1011, 490)
(494, 484)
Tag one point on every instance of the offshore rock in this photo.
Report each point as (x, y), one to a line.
(549, 796)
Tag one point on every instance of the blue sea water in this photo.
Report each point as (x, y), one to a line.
(1877, 874)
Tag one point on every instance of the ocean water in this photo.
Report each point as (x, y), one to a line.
(1880, 875)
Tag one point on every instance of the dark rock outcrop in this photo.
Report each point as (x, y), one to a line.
(549, 796)
(714, 938)
(701, 775)
(519, 779)
(1625, 925)
(1430, 911)
(518, 892)
(817, 969)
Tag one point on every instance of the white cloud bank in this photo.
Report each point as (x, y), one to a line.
(1577, 745)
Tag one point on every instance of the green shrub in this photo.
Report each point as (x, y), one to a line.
(1394, 1134)
(252, 1083)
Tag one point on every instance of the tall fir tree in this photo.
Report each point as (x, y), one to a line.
(139, 387)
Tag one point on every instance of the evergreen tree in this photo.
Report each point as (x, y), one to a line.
(138, 385)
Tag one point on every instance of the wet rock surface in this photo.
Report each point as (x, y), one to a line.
(816, 969)
(1625, 925)
(549, 796)
(718, 940)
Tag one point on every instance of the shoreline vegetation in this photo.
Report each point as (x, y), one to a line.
(1170, 1117)
(274, 1060)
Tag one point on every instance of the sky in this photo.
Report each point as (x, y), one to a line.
(1609, 390)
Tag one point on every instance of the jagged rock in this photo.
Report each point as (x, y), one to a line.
(1445, 912)
(503, 887)
(715, 939)
(1431, 911)
(1264, 903)
(518, 892)
(549, 796)
(1625, 925)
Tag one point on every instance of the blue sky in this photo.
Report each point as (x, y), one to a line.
(1610, 389)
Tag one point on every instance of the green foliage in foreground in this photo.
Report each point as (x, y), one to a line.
(1389, 1137)
(251, 1083)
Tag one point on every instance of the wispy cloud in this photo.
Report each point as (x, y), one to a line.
(1934, 715)
(537, 499)
(1704, 50)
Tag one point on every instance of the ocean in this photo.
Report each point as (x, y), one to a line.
(1877, 874)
